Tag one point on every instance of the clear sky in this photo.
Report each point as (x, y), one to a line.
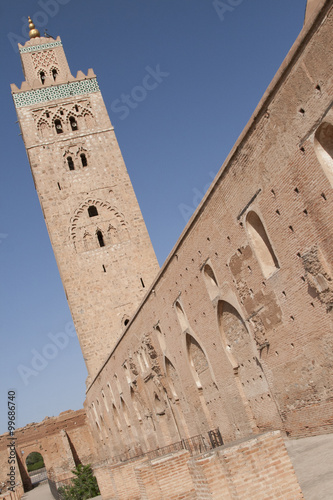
(216, 60)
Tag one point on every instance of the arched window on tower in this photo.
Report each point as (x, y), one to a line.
(58, 126)
(83, 160)
(73, 123)
(54, 74)
(42, 77)
(70, 163)
(92, 211)
(100, 238)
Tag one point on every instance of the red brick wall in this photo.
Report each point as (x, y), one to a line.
(255, 469)
(265, 329)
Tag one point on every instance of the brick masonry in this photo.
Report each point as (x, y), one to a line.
(63, 442)
(235, 331)
(100, 241)
(252, 469)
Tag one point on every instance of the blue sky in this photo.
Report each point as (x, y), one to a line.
(216, 62)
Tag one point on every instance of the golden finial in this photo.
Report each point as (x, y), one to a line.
(33, 33)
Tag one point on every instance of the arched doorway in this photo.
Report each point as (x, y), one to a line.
(36, 468)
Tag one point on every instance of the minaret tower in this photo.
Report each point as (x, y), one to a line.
(99, 238)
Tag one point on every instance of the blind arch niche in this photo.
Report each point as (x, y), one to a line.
(323, 146)
(261, 244)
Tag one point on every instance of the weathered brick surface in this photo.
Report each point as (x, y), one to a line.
(63, 441)
(258, 469)
(103, 285)
(235, 331)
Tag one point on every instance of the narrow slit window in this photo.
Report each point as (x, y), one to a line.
(83, 160)
(100, 238)
(42, 77)
(59, 186)
(54, 74)
(92, 211)
(70, 163)
(142, 283)
(58, 126)
(73, 123)
(76, 108)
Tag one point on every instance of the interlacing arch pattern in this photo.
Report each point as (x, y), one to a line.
(81, 114)
(43, 127)
(44, 59)
(107, 228)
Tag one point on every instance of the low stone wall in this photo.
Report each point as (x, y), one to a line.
(257, 468)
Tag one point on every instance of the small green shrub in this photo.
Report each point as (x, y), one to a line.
(82, 487)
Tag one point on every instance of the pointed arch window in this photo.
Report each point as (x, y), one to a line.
(261, 244)
(54, 74)
(100, 238)
(70, 163)
(73, 123)
(58, 126)
(42, 76)
(84, 161)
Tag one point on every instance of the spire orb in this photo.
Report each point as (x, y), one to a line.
(33, 33)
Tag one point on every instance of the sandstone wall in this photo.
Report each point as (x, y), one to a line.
(236, 330)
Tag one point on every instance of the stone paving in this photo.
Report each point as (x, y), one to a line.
(312, 459)
(41, 492)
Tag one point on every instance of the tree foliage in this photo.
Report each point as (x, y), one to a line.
(82, 487)
(34, 461)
